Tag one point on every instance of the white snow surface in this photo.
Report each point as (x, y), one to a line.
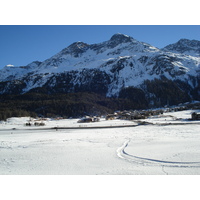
(168, 149)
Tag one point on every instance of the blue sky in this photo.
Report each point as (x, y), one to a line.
(20, 45)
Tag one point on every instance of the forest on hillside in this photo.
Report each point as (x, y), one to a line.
(62, 105)
(40, 102)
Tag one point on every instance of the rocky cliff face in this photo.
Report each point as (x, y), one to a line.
(120, 67)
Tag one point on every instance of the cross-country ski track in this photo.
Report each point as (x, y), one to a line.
(121, 153)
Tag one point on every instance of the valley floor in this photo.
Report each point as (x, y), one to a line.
(169, 145)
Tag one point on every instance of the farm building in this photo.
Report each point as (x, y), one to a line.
(110, 116)
(88, 120)
(195, 116)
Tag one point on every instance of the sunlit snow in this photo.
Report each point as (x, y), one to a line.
(169, 144)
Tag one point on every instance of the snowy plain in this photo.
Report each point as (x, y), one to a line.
(168, 145)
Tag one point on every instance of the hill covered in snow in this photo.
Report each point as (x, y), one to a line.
(121, 67)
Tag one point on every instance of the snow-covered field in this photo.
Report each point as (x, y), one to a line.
(157, 149)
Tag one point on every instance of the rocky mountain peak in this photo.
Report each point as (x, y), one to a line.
(121, 38)
(189, 42)
(117, 39)
(185, 46)
(76, 48)
(34, 64)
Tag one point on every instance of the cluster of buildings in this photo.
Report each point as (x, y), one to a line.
(124, 115)
(36, 122)
(133, 114)
(138, 114)
(88, 119)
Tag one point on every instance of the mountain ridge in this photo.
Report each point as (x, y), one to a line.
(112, 68)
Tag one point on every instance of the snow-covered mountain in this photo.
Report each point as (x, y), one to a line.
(185, 46)
(112, 68)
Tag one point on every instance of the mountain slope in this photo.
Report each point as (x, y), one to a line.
(120, 67)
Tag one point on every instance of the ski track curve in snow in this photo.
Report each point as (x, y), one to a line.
(121, 153)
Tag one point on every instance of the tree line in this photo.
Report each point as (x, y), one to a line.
(61, 105)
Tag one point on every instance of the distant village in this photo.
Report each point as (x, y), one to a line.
(136, 114)
(123, 115)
